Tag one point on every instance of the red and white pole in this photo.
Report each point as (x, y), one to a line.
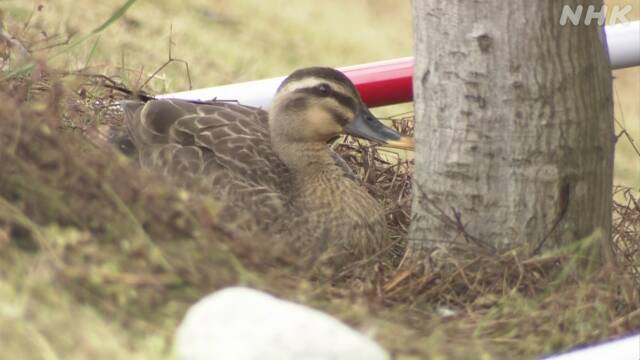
(383, 83)
(389, 82)
(379, 83)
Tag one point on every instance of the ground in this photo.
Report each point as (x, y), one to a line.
(99, 261)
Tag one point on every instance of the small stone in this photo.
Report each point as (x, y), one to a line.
(445, 312)
(239, 323)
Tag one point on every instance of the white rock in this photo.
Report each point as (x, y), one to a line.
(243, 324)
(445, 312)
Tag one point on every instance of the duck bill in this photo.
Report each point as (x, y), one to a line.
(366, 126)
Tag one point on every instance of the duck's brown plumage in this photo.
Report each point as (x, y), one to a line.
(284, 175)
(225, 146)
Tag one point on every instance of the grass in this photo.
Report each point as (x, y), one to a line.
(100, 261)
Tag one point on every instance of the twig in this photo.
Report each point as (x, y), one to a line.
(54, 45)
(110, 83)
(458, 216)
(629, 138)
(446, 219)
(565, 197)
(624, 319)
(15, 43)
(169, 61)
(622, 127)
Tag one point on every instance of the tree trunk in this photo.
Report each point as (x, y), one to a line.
(514, 126)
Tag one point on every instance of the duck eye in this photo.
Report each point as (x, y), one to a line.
(323, 88)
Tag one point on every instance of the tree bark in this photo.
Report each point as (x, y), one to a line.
(514, 126)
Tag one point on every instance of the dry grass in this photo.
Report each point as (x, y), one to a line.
(99, 260)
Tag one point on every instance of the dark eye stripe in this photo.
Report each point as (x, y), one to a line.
(344, 100)
(298, 103)
(340, 117)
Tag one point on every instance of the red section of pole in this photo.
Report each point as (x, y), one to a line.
(383, 83)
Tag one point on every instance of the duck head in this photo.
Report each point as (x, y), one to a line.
(316, 104)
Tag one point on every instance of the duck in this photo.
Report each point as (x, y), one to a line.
(276, 165)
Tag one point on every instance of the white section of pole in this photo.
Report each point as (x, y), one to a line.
(623, 41)
(627, 348)
(256, 93)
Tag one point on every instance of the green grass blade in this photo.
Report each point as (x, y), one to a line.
(91, 52)
(115, 16)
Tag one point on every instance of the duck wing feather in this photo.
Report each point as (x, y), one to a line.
(225, 146)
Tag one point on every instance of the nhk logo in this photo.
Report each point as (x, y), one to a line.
(576, 15)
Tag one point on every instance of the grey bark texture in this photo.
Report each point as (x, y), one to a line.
(514, 125)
